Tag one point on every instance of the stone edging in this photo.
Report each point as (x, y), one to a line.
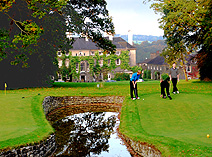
(45, 148)
(139, 148)
(51, 103)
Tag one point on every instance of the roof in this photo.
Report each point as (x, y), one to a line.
(145, 61)
(82, 44)
(159, 60)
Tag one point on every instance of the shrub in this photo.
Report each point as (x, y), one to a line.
(149, 74)
(121, 76)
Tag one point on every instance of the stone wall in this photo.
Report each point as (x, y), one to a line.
(50, 103)
(45, 148)
(139, 148)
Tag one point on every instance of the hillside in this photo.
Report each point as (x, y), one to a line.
(145, 48)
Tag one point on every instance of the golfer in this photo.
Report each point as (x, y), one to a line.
(133, 85)
(174, 77)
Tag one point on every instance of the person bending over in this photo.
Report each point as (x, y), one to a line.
(164, 84)
(133, 85)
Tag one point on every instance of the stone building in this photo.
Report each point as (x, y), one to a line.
(158, 66)
(85, 47)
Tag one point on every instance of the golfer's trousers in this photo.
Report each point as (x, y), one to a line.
(133, 89)
(174, 82)
(164, 85)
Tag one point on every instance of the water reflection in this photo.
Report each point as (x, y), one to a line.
(89, 134)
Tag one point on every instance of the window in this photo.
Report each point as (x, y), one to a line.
(82, 66)
(92, 53)
(101, 62)
(76, 54)
(67, 77)
(67, 63)
(84, 54)
(77, 66)
(108, 61)
(117, 52)
(154, 68)
(67, 53)
(59, 53)
(157, 67)
(60, 62)
(59, 76)
(160, 68)
(151, 67)
(100, 53)
(88, 67)
(188, 68)
(80, 53)
(148, 67)
(118, 61)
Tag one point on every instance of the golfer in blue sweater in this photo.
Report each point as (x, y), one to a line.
(133, 85)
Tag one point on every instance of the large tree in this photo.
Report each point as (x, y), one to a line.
(186, 29)
(31, 32)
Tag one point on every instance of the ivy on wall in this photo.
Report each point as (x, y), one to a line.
(109, 64)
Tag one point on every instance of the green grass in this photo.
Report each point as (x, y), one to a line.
(177, 127)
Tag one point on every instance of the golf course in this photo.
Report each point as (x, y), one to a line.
(176, 127)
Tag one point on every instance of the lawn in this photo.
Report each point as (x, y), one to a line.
(176, 127)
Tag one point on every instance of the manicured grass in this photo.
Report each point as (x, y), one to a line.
(177, 127)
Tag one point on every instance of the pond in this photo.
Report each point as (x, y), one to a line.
(89, 134)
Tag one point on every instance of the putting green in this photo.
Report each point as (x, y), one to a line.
(187, 117)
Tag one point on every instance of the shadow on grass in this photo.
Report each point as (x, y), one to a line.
(201, 81)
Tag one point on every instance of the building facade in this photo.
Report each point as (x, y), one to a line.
(85, 47)
(158, 66)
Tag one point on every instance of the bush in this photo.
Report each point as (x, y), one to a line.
(149, 74)
(145, 74)
(121, 76)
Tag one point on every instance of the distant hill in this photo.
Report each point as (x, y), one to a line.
(140, 38)
(145, 48)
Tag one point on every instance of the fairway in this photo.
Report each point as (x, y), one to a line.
(176, 127)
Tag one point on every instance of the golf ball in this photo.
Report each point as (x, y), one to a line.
(143, 99)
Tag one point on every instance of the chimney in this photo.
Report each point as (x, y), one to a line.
(111, 37)
(130, 37)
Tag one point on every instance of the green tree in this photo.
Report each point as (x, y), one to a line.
(186, 30)
(33, 31)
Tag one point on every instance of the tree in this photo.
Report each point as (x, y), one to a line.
(185, 27)
(33, 32)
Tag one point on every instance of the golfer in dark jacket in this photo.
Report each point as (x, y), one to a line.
(133, 85)
(164, 84)
(174, 76)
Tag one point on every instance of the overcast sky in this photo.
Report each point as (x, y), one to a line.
(135, 16)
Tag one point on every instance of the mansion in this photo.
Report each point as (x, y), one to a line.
(86, 47)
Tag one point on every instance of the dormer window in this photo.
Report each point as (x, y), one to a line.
(67, 53)
(92, 53)
(59, 53)
(117, 52)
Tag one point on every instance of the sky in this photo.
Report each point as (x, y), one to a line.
(134, 15)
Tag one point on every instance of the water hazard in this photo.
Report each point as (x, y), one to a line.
(89, 134)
